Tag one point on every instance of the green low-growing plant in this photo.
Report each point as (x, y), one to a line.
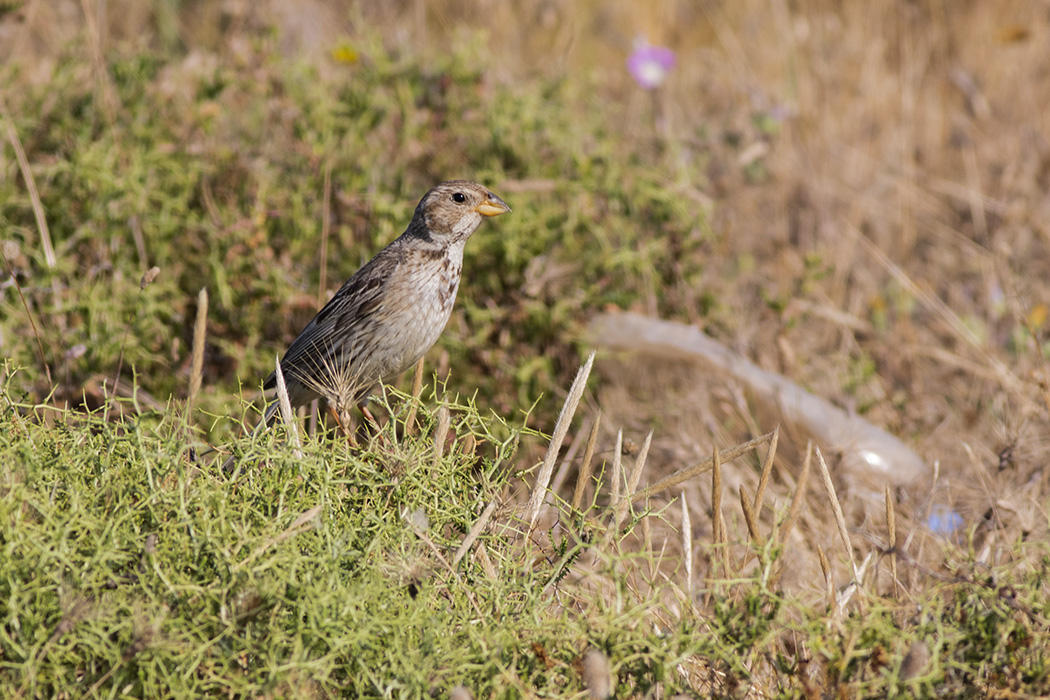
(133, 565)
(129, 564)
(215, 172)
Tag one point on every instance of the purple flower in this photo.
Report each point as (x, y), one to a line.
(650, 64)
(943, 520)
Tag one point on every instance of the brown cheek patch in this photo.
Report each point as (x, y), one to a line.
(432, 253)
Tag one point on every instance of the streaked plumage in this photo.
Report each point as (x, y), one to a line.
(392, 311)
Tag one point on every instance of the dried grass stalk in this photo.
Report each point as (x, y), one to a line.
(561, 427)
(825, 568)
(749, 515)
(891, 536)
(698, 468)
(441, 433)
(836, 508)
(27, 176)
(617, 484)
(200, 327)
(796, 500)
(148, 277)
(587, 468)
(632, 480)
(286, 410)
(470, 443)
(36, 331)
(639, 464)
(486, 562)
(767, 469)
(717, 523)
(687, 546)
(474, 532)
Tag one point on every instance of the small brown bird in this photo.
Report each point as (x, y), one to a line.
(391, 312)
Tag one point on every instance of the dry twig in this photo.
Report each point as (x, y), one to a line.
(561, 427)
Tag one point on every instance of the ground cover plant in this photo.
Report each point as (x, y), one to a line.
(851, 197)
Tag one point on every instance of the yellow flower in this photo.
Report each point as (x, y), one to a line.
(345, 54)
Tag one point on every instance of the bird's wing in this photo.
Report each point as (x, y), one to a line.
(357, 300)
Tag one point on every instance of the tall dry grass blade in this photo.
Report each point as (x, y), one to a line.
(796, 500)
(687, 546)
(639, 464)
(588, 464)
(702, 467)
(464, 547)
(561, 427)
(829, 584)
(417, 389)
(27, 176)
(717, 523)
(767, 469)
(566, 462)
(441, 433)
(286, 410)
(749, 515)
(632, 480)
(891, 537)
(200, 327)
(836, 509)
(617, 485)
(486, 563)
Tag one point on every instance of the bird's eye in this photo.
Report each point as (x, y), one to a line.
(459, 198)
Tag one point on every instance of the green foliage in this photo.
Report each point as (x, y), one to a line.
(214, 171)
(129, 565)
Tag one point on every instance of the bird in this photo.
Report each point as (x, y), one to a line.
(392, 310)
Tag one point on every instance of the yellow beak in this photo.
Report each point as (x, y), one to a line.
(492, 206)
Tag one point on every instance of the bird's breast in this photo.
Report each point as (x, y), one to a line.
(418, 306)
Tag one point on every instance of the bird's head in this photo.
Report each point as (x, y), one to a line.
(453, 210)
